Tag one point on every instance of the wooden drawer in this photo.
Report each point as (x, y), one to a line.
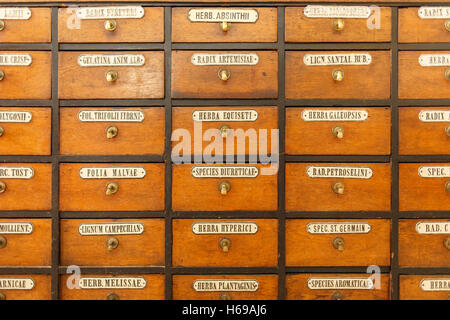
(25, 287)
(316, 131)
(337, 286)
(314, 81)
(425, 287)
(300, 28)
(251, 74)
(112, 242)
(148, 28)
(418, 191)
(247, 127)
(317, 189)
(196, 187)
(144, 80)
(134, 191)
(26, 75)
(423, 82)
(25, 242)
(26, 186)
(424, 243)
(113, 287)
(112, 131)
(205, 25)
(36, 28)
(225, 243)
(413, 29)
(25, 131)
(342, 242)
(229, 287)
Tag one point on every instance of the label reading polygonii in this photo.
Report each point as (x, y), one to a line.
(111, 116)
(434, 60)
(334, 115)
(339, 172)
(111, 60)
(16, 228)
(434, 172)
(320, 283)
(112, 283)
(15, 13)
(224, 115)
(120, 228)
(16, 284)
(112, 173)
(434, 12)
(15, 59)
(433, 227)
(219, 15)
(338, 227)
(15, 116)
(337, 59)
(124, 12)
(225, 285)
(224, 172)
(434, 115)
(354, 12)
(224, 228)
(435, 284)
(16, 172)
(224, 59)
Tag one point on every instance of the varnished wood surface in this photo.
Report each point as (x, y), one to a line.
(413, 29)
(410, 288)
(41, 290)
(35, 29)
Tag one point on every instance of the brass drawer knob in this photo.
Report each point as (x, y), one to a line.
(224, 74)
(338, 75)
(2, 75)
(2, 187)
(111, 25)
(112, 75)
(338, 187)
(447, 25)
(447, 243)
(2, 25)
(225, 296)
(447, 130)
(2, 131)
(224, 129)
(337, 295)
(225, 244)
(2, 296)
(447, 74)
(338, 132)
(447, 186)
(112, 296)
(112, 132)
(111, 188)
(225, 26)
(112, 243)
(338, 24)
(3, 242)
(224, 187)
(338, 243)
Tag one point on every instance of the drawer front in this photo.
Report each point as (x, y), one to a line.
(352, 131)
(34, 29)
(229, 287)
(425, 287)
(224, 187)
(112, 131)
(413, 29)
(246, 127)
(245, 25)
(225, 243)
(25, 242)
(424, 190)
(26, 75)
(149, 28)
(370, 81)
(112, 287)
(319, 286)
(423, 82)
(90, 82)
(300, 28)
(110, 188)
(245, 79)
(25, 131)
(26, 287)
(343, 242)
(424, 243)
(112, 242)
(326, 187)
(25, 186)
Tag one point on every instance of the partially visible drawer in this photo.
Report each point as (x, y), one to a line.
(327, 187)
(148, 28)
(25, 287)
(112, 287)
(337, 286)
(111, 75)
(112, 131)
(229, 287)
(112, 242)
(25, 131)
(205, 25)
(34, 28)
(413, 29)
(111, 187)
(424, 243)
(370, 80)
(225, 243)
(319, 131)
(343, 242)
(25, 186)
(425, 287)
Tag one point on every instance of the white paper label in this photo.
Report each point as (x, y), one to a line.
(338, 227)
(219, 15)
(320, 283)
(99, 229)
(224, 172)
(433, 227)
(356, 12)
(16, 284)
(15, 116)
(224, 59)
(112, 283)
(15, 59)
(111, 60)
(337, 59)
(434, 60)
(434, 115)
(339, 172)
(224, 115)
(123, 12)
(434, 172)
(224, 228)
(434, 12)
(16, 228)
(112, 173)
(435, 284)
(334, 115)
(111, 116)
(15, 13)
(225, 285)
(16, 172)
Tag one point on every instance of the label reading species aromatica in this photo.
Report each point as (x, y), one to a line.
(337, 283)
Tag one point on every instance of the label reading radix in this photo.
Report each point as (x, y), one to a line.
(338, 227)
(112, 173)
(16, 228)
(434, 172)
(111, 60)
(16, 172)
(16, 284)
(224, 172)
(434, 12)
(125, 12)
(340, 283)
(337, 59)
(435, 284)
(434, 60)
(15, 13)
(224, 59)
(111, 116)
(224, 115)
(99, 229)
(339, 172)
(224, 228)
(15, 59)
(433, 227)
(219, 15)
(334, 115)
(434, 115)
(112, 283)
(225, 285)
(15, 116)
(355, 12)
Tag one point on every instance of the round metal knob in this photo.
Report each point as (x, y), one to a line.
(338, 187)
(2, 296)
(112, 132)
(447, 243)
(224, 187)
(447, 186)
(2, 75)
(2, 187)
(337, 295)
(225, 296)
(112, 296)
(112, 243)
(225, 244)
(224, 74)
(447, 74)
(110, 25)
(111, 188)
(338, 75)
(3, 242)
(338, 132)
(112, 75)
(2, 25)
(224, 129)
(2, 131)
(338, 243)
(338, 24)
(225, 26)
(447, 130)
(447, 25)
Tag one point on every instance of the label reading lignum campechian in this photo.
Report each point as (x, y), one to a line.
(355, 12)
(219, 15)
(224, 115)
(15, 59)
(338, 227)
(237, 285)
(339, 172)
(15, 13)
(111, 116)
(334, 115)
(337, 59)
(16, 284)
(15, 116)
(123, 12)
(112, 283)
(16, 172)
(224, 228)
(16, 228)
(435, 284)
(112, 173)
(119, 228)
(434, 12)
(434, 60)
(111, 60)
(434, 115)
(224, 172)
(434, 172)
(224, 59)
(433, 227)
(325, 283)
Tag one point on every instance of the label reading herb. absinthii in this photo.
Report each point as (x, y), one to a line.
(225, 285)
(219, 15)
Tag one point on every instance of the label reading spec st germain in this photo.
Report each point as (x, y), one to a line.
(16, 172)
(111, 60)
(15, 13)
(112, 173)
(338, 227)
(320, 283)
(219, 15)
(15, 116)
(435, 284)
(99, 229)
(434, 115)
(124, 12)
(434, 60)
(434, 172)
(112, 283)
(337, 59)
(224, 228)
(355, 12)
(433, 227)
(111, 116)
(334, 115)
(224, 172)
(225, 285)
(339, 172)
(224, 59)
(16, 284)
(15, 59)
(434, 12)
(224, 115)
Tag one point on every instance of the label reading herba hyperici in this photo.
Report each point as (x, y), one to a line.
(434, 172)
(339, 172)
(337, 59)
(112, 283)
(354, 12)
(219, 15)
(224, 59)
(224, 115)
(16, 172)
(15, 116)
(224, 172)
(124, 12)
(15, 59)
(119, 228)
(16, 284)
(338, 227)
(435, 284)
(334, 115)
(434, 12)
(224, 228)
(225, 285)
(15, 13)
(325, 283)
(16, 228)
(433, 227)
(111, 60)
(111, 116)
(112, 173)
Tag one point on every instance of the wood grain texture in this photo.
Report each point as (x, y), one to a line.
(145, 194)
(146, 249)
(410, 288)
(216, 1)
(32, 138)
(316, 250)
(150, 28)
(413, 29)
(28, 194)
(28, 249)
(300, 28)
(263, 30)
(135, 82)
(153, 291)
(297, 288)
(369, 137)
(134, 138)
(417, 82)
(41, 290)
(420, 194)
(267, 120)
(258, 81)
(201, 250)
(360, 82)
(183, 290)
(27, 82)
(315, 194)
(35, 29)
(421, 250)
(202, 194)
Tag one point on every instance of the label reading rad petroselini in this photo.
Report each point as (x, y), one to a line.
(225, 285)
(99, 229)
(340, 283)
(224, 115)
(434, 12)
(219, 15)
(224, 228)
(15, 13)
(112, 173)
(355, 12)
(16, 172)
(16, 228)
(435, 284)
(110, 116)
(15, 59)
(224, 172)
(125, 12)
(334, 115)
(15, 116)
(16, 284)
(338, 227)
(339, 172)
(337, 59)
(433, 227)
(434, 115)
(111, 60)
(434, 172)
(112, 283)
(224, 59)
(434, 60)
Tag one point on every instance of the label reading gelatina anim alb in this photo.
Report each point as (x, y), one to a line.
(111, 116)
(224, 115)
(334, 115)
(112, 173)
(219, 15)
(337, 59)
(111, 60)
(339, 172)
(224, 172)
(224, 59)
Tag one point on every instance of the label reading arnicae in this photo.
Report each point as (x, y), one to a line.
(112, 173)
(124, 12)
(224, 115)
(338, 227)
(434, 172)
(224, 228)
(99, 229)
(355, 12)
(434, 115)
(111, 116)
(16, 284)
(225, 285)
(320, 283)
(224, 59)
(337, 59)
(339, 172)
(15, 13)
(112, 283)
(334, 115)
(111, 60)
(16, 172)
(434, 60)
(16, 228)
(15, 116)
(219, 15)
(433, 227)
(434, 12)
(224, 172)
(435, 284)
(15, 59)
